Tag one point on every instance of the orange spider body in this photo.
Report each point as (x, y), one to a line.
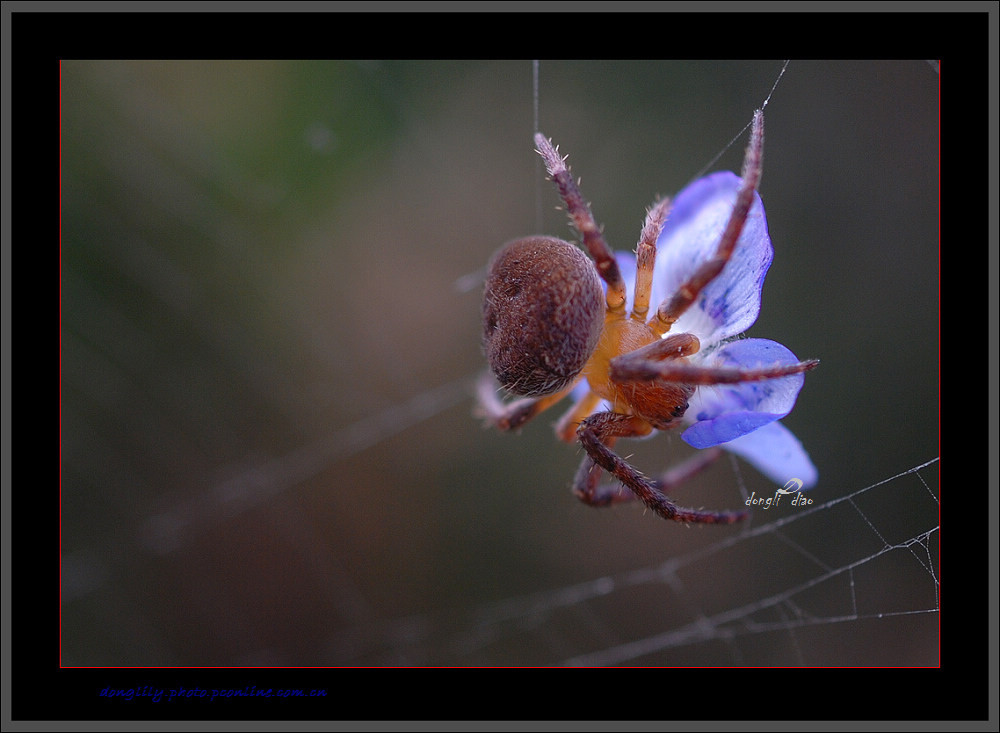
(657, 403)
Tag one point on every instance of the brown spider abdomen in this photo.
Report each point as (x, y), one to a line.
(543, 308)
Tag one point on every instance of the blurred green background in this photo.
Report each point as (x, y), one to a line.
(270, 325)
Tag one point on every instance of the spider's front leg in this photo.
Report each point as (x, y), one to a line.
(597, 433)
(660, 362)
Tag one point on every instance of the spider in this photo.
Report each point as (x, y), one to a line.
(549, 324)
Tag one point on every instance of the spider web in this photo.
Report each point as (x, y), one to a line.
(269, 456)
(817, 595)
(581, 625)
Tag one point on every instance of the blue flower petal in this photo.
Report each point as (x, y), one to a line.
(722, 413)
(777, 453)
(727, 427)
(742, 418)
(627, 266)
(729, 304)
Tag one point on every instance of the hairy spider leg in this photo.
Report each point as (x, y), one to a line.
(589, 490)
(645, 256)
(597, 432)
(512, 415)
(673, 308)
(583, 221)
(640, 366)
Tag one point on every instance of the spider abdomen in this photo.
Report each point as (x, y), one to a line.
(543, 308)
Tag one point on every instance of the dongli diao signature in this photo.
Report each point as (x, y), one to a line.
(792, 486)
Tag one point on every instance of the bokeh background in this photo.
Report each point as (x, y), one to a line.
(270, 327)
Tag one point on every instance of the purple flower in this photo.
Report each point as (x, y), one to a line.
(741, 418)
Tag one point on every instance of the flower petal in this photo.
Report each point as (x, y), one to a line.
(722, 413)
(627, 266)
(777, 453)
(730, 303)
